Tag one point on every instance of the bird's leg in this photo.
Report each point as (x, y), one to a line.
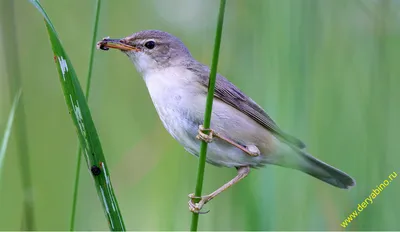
(242, 172)
(251, 150)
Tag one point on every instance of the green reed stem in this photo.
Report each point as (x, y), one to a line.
(208, 110)
(88, 81)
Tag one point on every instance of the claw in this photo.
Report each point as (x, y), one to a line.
(196, 207)
(203, 136)
(192, 196)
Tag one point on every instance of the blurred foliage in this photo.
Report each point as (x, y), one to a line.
(326, 71)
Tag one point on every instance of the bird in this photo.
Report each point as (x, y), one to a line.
(242, 135)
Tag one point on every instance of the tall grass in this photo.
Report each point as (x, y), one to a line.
(87, 134)
(88, 82)
(13, 72)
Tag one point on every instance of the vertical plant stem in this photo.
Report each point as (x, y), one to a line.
(208, 110)
(10, 46)
(89, 78)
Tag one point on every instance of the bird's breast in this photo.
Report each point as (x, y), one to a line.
(172, 98)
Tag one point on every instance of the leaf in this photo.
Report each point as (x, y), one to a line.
(82, 119)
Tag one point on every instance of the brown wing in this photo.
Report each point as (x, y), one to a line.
(230, 94)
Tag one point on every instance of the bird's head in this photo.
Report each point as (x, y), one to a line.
(150, 49)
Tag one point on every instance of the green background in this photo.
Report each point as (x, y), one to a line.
(327, 71)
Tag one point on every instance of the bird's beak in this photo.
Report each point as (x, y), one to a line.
(120, 44)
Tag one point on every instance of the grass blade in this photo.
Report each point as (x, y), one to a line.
(208, 110)
(87, 134)
(89, 78)
(8, 33)
(7, 131)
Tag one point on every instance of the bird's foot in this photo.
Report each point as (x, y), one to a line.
(196, 207)
(203, 136)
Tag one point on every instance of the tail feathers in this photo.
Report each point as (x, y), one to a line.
(325, 172)
(305, 162)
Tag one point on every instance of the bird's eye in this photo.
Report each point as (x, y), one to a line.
(150, 44)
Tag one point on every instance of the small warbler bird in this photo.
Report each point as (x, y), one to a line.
(242, 135)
